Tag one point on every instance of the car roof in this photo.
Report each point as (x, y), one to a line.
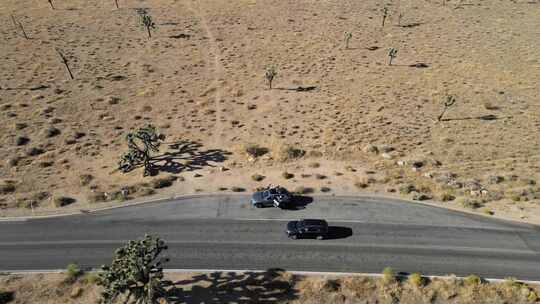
(314, 222)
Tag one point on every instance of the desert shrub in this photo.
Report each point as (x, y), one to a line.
(62, 201)
(361, 185)
(416, 279)
(96, 197)
(223, 188)
(406, 189)
(388, 274)
(85, 179)
(325, 189)
(7, 188)
(237, 189)
(287, 153)
(72, 272)
(6, 297)
(447, 197)
(314, 165)
(303, 190)
(145, 191)
(320, 176)
(255, 150)
(163, 182)
(91, 278)
(469, 204)
(472, 279)
(487, 211)
(287, 175)
(257, 177)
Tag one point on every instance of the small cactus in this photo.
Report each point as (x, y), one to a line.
(270, 74)
(147, 22)
(348, 36)
(392, 53)
(385, 15)
(449, 101)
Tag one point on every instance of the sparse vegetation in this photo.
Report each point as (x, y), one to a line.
(392, 54)
(348, 37)
(416, 279)
(270, 74)
(257, 177)
(255, 150)
(147, 22)
(388, 275)
(449, 101)
(61, 201)
(287, 175)
(303, 190)
(384, 15)
(72, 272)
(65, 62)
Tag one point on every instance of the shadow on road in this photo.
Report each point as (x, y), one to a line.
(338, 232)
(272, 286)
(298, 202)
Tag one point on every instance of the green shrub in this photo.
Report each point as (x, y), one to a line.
(416, 279)
(72, 272)
(447, 197)
(90, 278)
(388, 274)
(472, 279)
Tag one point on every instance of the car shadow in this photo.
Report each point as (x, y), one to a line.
(338, 232)
(298, 202)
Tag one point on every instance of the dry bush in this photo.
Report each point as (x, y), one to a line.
(285, 152)
(85, 179)
(314, 165)
(303, 190)
(163, 182)
(61, 201)
(254, 150)
(388, 275)
(287, 175)
(257, 177)
(416, 279)
(96, 197)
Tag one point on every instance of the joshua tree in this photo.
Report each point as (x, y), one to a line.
(385, 15)
(140, 146)
(449, 101)
(20, 26)
(270, 74)
(392, 53)
(348, 36)
(65, 62)
(136, 272)
(147, 22)
(51, 3)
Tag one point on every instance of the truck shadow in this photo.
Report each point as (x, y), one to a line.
(298, 202)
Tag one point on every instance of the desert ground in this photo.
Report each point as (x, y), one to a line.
(337, 121)
(277, 286)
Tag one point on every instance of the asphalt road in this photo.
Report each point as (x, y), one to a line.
(226, 233)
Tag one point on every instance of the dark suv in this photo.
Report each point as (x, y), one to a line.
(307, 229)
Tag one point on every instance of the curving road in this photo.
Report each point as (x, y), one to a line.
(224, 232)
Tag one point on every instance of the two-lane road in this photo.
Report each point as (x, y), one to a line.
(224, 232)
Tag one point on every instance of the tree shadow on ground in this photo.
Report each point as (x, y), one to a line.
(186, 156)
(271, 286)
(483, 117)
(299, 89)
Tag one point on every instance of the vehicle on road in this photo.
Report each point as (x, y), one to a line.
(308, 228)
(271, 197)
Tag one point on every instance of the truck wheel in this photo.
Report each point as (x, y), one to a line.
(258, 205)
(294, 237)
(320, 237)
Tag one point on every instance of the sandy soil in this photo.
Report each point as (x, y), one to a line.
(200, 80)
(276, 286)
